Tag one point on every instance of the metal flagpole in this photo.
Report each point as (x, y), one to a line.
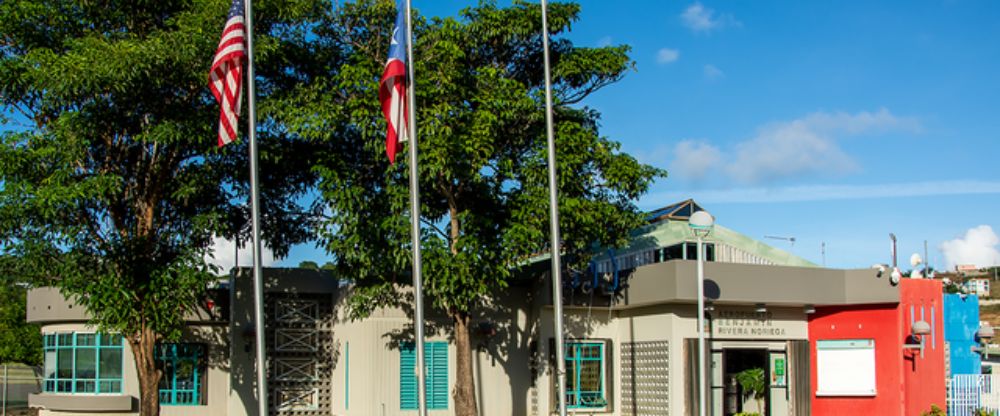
(262, 392)
(554, 222)
(418, 291)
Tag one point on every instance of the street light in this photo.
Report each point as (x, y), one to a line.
(701, 224)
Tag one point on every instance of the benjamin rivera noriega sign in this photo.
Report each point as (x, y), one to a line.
(748, 323)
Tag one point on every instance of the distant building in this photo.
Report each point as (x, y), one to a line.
(967, 269)
(977, 286)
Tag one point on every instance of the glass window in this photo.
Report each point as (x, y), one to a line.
(86, 363)
(436, 379)
(673, 252)
(585, 376)
(183, 373)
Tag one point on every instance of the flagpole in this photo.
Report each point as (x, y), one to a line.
(418, 291)
(262, 393)
(554, 244)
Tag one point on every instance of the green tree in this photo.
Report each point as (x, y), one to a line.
(754, 385)
(111, 185)
(20, 342)
(483, 177)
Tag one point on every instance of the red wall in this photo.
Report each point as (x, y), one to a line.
(906, 384)
(923, 377)
(878, 322)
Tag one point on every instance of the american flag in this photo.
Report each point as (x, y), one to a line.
(392, 89)
(227, 72)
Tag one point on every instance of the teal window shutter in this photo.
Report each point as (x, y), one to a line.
(407, 377)
(437, 380)
(436, 383)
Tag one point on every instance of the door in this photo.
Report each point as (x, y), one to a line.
(778, 383)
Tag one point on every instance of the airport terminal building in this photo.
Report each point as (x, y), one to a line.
(630, 325)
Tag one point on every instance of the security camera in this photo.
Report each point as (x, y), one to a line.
(879, 270)
(895, 276)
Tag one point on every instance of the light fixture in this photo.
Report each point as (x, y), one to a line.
(920, 328)
(709, 307)
(985, 331)
(760, 308)
(895, 276)
(917, 331)
(983, 335)
(809, 309)
(701, 223)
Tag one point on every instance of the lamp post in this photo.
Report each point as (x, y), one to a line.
(701, 224)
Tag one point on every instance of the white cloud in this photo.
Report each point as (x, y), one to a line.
(808, 145)
(702, 19)
(828, 192)
(978, 247)
(667, 55)
(712, 72)
(605, 41)
(788, 150)
(694, 159)
(223, 252)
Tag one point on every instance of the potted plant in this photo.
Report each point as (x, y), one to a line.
(754, 384)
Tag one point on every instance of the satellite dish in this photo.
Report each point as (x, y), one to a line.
(915, 260)
(895, 276)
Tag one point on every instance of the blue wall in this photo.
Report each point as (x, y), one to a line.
(961, 321)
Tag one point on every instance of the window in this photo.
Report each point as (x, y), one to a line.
(585, 375)
(436, 382)
(183, 373)
(673, 252)
(85, 363)
(691, 251)
(845, 367)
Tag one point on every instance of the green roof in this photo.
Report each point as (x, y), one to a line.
(668, 232)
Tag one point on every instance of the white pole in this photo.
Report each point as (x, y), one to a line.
(418, 292)
(6, 381)
(701, 328)
(554, 244)
(262, 392)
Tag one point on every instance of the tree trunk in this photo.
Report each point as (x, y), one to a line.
(143, 346)
(465, 383)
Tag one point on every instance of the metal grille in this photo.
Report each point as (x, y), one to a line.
(645, 370)
(295, 369)
(296, 310)
(300, 353)
(969, 393)
(297, 399)
(295, 340)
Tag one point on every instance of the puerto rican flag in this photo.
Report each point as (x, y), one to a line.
(392, 88)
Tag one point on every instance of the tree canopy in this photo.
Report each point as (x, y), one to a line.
(111, 186)
(482, 156)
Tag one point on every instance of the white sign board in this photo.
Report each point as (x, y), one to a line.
(845, 367)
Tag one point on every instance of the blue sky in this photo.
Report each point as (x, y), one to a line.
(830, 122)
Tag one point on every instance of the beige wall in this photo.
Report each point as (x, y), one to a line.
(369, 374)
(218, 378)
(667, 322)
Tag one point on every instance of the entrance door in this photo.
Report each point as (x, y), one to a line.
(751, 366)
